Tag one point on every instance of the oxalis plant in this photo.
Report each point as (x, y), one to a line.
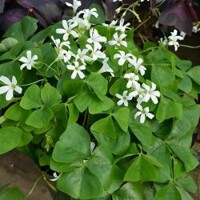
(103, 118)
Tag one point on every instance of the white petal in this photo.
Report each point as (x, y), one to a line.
(81, 74)
(5, 80)
(14, 80)
(18, 89)
(74, 74)
(4, 89)
(28, 55)
(121, 61)
(124, 43)
(125, 103)
(142, 118)
(60, 30)
(23, 59)
(23, 66)
(120, 102)
(9, 95)
(150, 115)
(137, 114)
(119, 96)
(35, 57)
(139, 107)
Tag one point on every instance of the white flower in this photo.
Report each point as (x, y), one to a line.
(59, 44)
(96, 38)
(87, 13)
(132, 79)
(137, 63)
(111, 24)
(76, 4)
(143, 113)
(122, 56)
(10, 87)
(123, 99)
(138, 91)
(151, 93)
(65, 55)
(55, 177)
(67, 30)
(82, 24)
(118, 40)
(95, 53)
(122, 27)
(173, 39)
(163, 41)
(28, 61)
(106, 67)
(77, 70)
(82, 55)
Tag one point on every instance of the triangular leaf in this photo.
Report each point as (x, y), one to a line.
(50, 95)
(80, 183)
(40, 118)
(122, 117)
(73, 145)
(168, 192)
(31, 98)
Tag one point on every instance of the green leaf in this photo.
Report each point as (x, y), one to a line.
(122, 116)
(82, 100)
(162, 75)
(99, 106)
(23, 29)
(10, 69)
(185, 84)
(129, 191)
(40, 118)
(48, 56)
(185, 155)
(73, 114)
(16, 113)
(70, 87)
(12, 193)
(98, 84)
(167, 109)
(143, 133)
(179, 129)
(163, 154)
(117, 146)
(106, 126)
(73, 145)
(80, 183)
(7, 44)
(118, 86)
(100, 164)
(168, 192)
(10, 138)
(143, 168)
(184, 194)
(50, 95)
(194, 73)
(187, 183)
(31, 98)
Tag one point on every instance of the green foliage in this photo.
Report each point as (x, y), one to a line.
(12, 193)
(80, 121)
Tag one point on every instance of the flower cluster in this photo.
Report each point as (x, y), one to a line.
(173, 39)
(80, 44)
